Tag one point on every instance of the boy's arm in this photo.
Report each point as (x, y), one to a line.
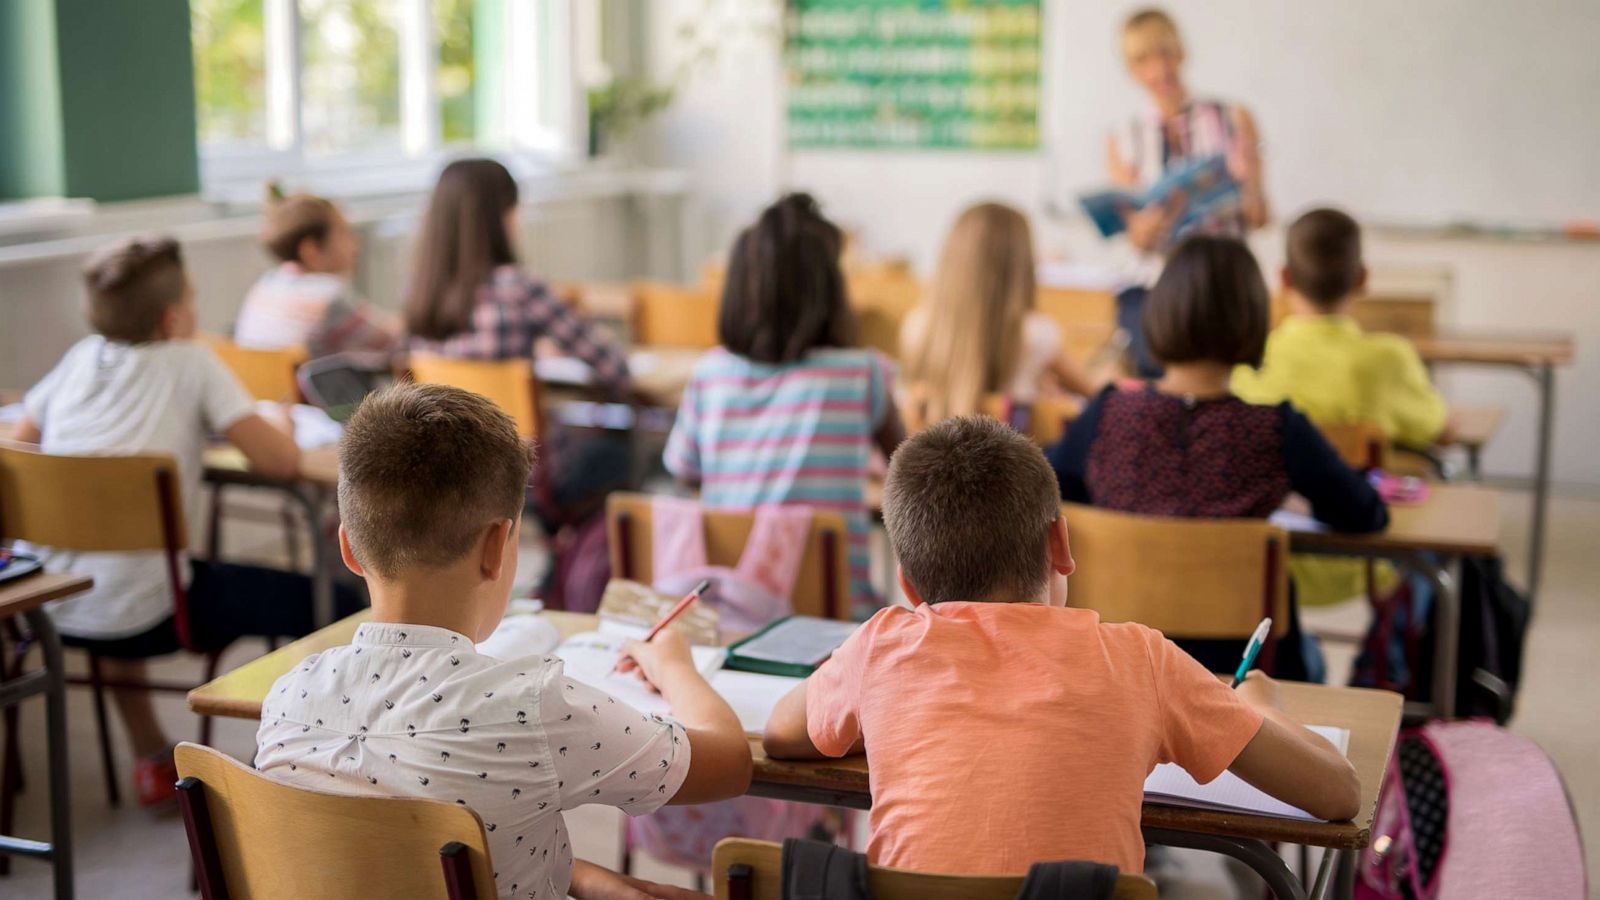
(1293, 763)
(270, 449)
(719, 753)
(25, 430)
(788, 736)
(1415, 405)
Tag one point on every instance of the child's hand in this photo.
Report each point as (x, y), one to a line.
(659, 662)
(591, 882)
(1259, 690)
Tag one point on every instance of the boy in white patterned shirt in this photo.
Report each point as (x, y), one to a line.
(431, 492)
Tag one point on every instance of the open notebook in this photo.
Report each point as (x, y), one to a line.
(1170, 784)
(590, 657)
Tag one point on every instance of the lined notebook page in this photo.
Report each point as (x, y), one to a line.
(1170, 784)
(590, 658)
(752, 695)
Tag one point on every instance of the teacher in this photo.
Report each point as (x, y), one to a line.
(1175, 130)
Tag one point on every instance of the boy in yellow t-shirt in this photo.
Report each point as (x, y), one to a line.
(1320, 360)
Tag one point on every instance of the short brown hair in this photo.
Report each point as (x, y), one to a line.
(785, 294)
(1209, 305)
(288, 220)
(422, 469)
(131, 284)
(1324, 256)
(968, 505)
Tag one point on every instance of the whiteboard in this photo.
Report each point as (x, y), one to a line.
(1416, 112)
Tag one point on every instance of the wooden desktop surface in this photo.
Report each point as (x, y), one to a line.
(1455, 519)
(1475, 426)
(33, 591)
(1494, 348)
(1373, 718)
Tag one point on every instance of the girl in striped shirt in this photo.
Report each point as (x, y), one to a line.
(787, 409)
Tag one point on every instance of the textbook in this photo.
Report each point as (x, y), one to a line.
(1171, 785)
(792, 646)
(1208, 185)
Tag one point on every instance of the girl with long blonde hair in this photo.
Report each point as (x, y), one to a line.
(978, 333)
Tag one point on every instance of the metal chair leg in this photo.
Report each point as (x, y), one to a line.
(107, 761)
(212, 660)
(291, 536)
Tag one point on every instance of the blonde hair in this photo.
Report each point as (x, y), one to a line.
(972, 331)
(289, 219)
(1146, 30)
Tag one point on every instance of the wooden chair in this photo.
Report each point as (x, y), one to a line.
(669, 315)
(1362, 445)
(100, 504)
(253, 837)
(266, 374)
(821, 589)
(753, 870)
(510, 383)
(1407, 314)
(1188, 578)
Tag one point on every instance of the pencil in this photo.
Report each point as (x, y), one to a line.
(673, 613)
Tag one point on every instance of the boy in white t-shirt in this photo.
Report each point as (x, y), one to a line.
(432, 482)
(140, 385)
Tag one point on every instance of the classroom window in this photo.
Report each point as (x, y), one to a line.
(296, 87)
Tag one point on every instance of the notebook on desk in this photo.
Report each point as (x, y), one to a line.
(1171, 785)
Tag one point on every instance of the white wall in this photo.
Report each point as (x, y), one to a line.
(726, 131)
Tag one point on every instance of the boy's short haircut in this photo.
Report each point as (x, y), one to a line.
(423, 468)
(288, 220)
(1209, 305)
(1146, 27)
(130, 286)
(968, 505)
(1324, 256)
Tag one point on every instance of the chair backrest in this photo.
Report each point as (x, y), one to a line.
(821, 589)
(1362, 445)
(1187, 578)
(266, 374)
(746, 869)
(510, 383)
(1411, 315)
(1074, 308)
(264, 839)
(1044, 420)
(670, 315)
(91, 504)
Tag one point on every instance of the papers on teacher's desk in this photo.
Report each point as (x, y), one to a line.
(1171, 785)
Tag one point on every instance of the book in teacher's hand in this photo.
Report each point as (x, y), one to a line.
(1208, 187)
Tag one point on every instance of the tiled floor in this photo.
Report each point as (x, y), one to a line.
(132, 853)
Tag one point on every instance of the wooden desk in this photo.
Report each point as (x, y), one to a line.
(1475, 426)
(1373, 718)
(1455, 520)
(1535, 355)
(26, 597)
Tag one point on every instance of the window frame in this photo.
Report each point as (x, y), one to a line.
(542, 50)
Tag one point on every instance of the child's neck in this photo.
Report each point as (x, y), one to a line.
(1200, 380)
(440, 599)
(1300, 306)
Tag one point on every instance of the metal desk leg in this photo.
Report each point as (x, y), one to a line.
(312, 500)
(1319, 889)
(1253, 853)
(56, 731)
(1545, 374)
(1447, 634)
(1344, 880)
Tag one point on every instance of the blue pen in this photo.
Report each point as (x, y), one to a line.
(1251, 649)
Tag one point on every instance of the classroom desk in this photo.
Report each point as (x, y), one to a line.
(1535, 355)
(26, 597)
(1373, 718)
(1472, 428)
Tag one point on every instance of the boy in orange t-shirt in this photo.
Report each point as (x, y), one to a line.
(1001, 728)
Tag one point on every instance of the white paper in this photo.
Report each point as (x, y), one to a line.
(1170, 784)
(591, 656)
(752, 695)
(1295, 521)
(520, 635)
(801, 640)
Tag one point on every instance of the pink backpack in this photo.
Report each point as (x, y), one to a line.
(1471, 810)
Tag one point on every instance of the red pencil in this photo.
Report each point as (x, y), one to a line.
(673, 613)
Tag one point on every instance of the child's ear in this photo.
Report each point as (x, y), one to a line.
(496, 548)
(1361, 281)
(1283, 280)
(906, 586)
(309, 253)
(1061, 560)
(348, 555)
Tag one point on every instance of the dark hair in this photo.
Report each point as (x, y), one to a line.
(968, 504)
(423, 468)
(1324, 256)
(288, 220)
(1210, 304)
(131, 284)
(784, 292)
(463, 238)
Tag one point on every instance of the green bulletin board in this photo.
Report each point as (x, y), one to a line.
(914, 74)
